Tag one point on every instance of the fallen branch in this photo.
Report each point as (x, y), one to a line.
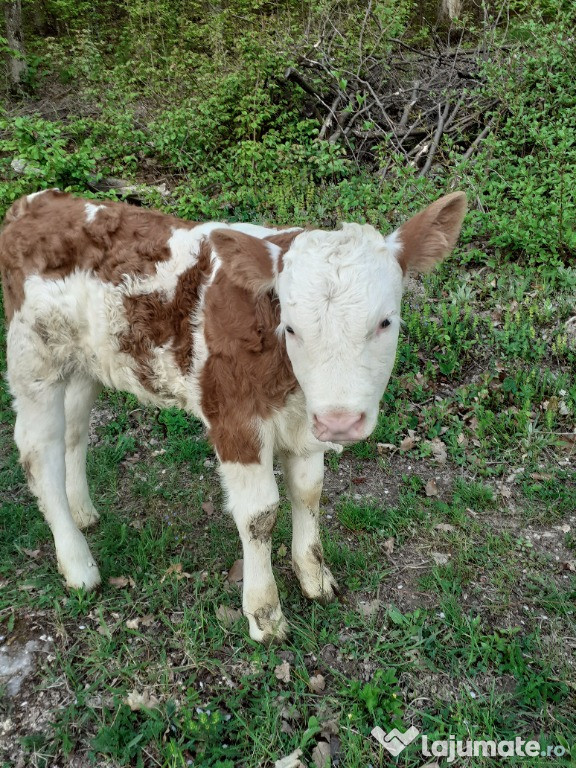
(436, 140)
(481, 136)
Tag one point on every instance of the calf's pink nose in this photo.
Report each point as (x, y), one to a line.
(338, 426)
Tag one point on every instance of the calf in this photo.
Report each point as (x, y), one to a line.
(282, 342)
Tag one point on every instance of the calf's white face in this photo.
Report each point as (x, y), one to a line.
(340, 296)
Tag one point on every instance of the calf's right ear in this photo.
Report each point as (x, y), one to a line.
(250, 263)
(429, 236)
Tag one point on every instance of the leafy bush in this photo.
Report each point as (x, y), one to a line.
(526, 176)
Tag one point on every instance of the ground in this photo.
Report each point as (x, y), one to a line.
(452, 534)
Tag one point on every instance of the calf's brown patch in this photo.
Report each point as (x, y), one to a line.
(154, 320)
(51, 237)
(248, 374)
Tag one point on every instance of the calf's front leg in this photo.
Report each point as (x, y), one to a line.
(253, 501)
(304, 477)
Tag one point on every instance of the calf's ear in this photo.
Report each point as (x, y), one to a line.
(429, 236)
(250, 263)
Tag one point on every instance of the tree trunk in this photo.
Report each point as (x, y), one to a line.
(451, 8)
(16, 63)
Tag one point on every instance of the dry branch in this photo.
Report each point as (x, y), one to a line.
(393, 92)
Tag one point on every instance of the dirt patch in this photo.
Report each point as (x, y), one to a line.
(263, 524)
(26, 708)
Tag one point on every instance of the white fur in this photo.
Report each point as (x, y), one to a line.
(335, 290)
(33, 195)
(91, 211)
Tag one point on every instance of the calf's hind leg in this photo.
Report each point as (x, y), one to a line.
(40, 436)
(78, 401)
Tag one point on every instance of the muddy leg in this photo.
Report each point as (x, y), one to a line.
(304, 476)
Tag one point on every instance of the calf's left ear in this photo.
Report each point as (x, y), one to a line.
(250, 263)
(429, 236)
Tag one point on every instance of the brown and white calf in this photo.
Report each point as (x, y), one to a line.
(282, 342)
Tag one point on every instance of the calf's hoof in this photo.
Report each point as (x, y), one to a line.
(78, 566)
(85, 516)
(86, 576)
(267, 624)
(317, 583)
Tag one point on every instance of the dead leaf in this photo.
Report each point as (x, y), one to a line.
(329, 728)
(369, 609)
(431, 765)
(569, 565)
(286, 728)
(440, 558)
(446, 527)
(564, 528)
(176, 568)
(388, 545)
(33, 553)
(505, 491)
(290, 713)
(321, 755)
(133, 623)
(236, 572)
(438, 449)
(137, 700)
(282, 672)
(121, 581)
(282, 550)
(317, 683)
(407, 443)
(146, 621)
(227, 616)
(104, 630)
(358, 480)
(540, 476)
(290, 761)
(431, 488)
(384, 447)
(208, 507)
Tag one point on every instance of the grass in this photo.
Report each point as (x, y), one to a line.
(462, 626)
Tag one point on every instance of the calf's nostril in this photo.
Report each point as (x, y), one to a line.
(338, 423)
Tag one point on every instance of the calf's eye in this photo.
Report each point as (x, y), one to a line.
(289, 329)
(384, 323)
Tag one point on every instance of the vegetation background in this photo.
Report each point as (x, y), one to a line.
(452, 529)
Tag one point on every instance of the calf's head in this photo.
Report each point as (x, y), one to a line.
(340, 296)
